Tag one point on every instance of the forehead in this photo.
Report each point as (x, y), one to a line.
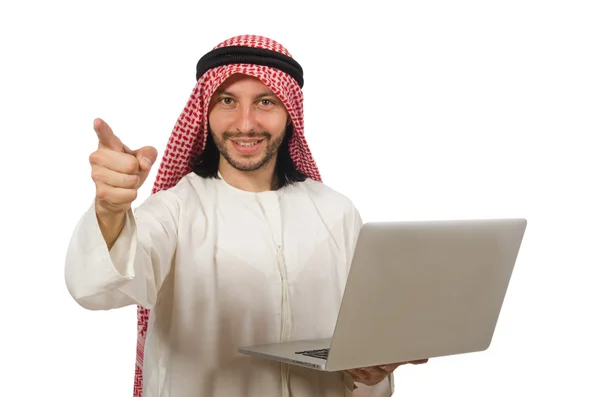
(241, 84)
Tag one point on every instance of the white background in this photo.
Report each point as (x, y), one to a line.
(421, 110)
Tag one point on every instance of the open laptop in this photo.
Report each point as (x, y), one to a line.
(415, 290)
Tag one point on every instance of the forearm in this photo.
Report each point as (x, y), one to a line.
(111, 226)
(94, 272)
(125, 270)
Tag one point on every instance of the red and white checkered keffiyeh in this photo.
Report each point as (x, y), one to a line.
(189, 138)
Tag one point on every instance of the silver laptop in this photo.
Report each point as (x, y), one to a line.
(416, 290)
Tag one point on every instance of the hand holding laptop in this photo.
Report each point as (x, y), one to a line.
(371, 376)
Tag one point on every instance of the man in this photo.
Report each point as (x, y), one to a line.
(240, 242)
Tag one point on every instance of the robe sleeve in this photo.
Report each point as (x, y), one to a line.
(132, 272)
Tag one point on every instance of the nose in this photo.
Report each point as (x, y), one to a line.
(246, 120)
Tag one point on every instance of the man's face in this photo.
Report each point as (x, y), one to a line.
(247, 121)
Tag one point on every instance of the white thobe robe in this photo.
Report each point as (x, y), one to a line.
(203, 256)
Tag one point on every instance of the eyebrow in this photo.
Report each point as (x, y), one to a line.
(258, 96)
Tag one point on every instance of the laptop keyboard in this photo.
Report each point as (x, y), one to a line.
(320, 353)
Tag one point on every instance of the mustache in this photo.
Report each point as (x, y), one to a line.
(230, 134)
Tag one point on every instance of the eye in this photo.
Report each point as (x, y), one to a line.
(226, 100)
(267, 102)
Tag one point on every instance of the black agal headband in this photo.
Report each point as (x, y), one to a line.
(256, 56)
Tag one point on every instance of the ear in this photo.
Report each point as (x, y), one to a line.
(289, 121)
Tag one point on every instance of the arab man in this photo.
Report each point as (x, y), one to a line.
(240, 242)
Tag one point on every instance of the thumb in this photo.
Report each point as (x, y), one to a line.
(146, 157)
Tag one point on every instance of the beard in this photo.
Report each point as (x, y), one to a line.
(272, 146)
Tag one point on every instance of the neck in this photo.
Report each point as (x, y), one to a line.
(261, 180)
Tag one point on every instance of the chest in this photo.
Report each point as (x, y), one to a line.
(263, 237)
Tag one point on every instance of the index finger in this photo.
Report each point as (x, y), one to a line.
(106, 137)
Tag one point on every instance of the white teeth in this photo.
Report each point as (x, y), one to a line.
(247, 144)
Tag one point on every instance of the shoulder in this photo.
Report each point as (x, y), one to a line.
(328, 199)
(189, 186)
(185, 189)
(325, 192)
